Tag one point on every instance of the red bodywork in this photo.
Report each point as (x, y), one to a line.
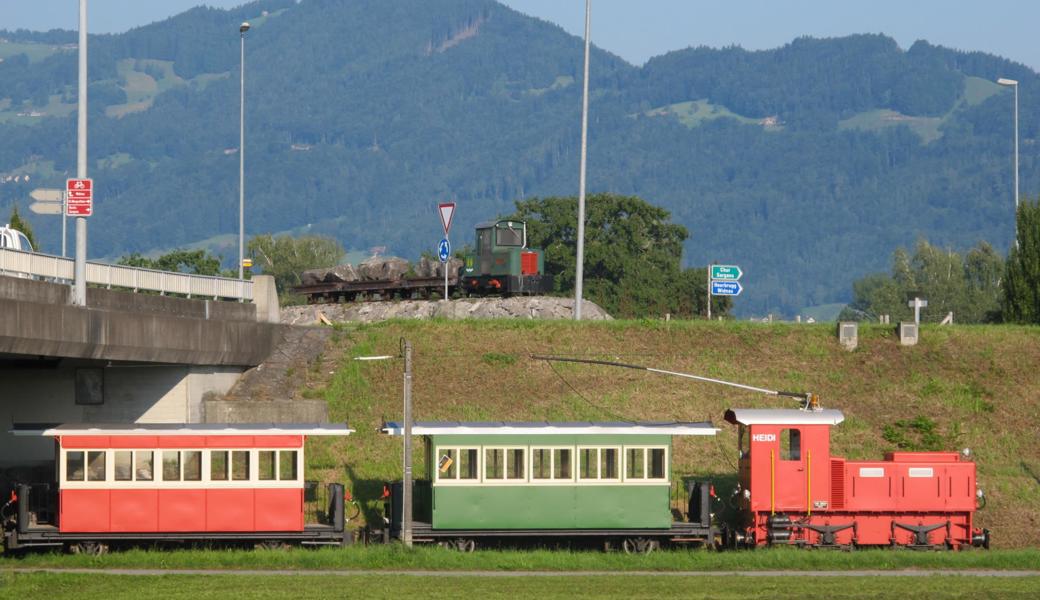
(204, 506)
(794, 492)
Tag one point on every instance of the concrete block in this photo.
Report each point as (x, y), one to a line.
(848, 334)
(908, 333)
(265, 297)
(264, 411)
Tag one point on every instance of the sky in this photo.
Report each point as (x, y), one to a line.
(639, 29)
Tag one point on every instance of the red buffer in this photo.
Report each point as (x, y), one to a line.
(792, 491)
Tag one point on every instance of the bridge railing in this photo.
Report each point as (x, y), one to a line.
(45, 266)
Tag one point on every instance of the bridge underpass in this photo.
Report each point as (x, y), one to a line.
(129, 357)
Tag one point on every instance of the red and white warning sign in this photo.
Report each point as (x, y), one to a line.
(447, 211)
(80, 194)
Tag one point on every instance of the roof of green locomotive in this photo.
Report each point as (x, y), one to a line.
(549, 428)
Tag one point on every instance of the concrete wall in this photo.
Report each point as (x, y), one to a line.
(131, 394)
(37, 320)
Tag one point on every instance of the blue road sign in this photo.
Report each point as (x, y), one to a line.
(726, 288)
(444, 250)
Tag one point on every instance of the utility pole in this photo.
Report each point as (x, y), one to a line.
(579, 265)
(406, 487)
(79, 288)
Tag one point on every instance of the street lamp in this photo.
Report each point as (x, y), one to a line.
(1014, 84)
(242, 29)
(579, 265)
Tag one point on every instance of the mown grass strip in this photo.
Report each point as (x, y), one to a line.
(87, 587)
(432, 558)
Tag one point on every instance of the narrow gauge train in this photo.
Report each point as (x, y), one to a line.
(501, 265)
(138, 483)
(611, 481)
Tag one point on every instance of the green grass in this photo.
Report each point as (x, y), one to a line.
(87, 586)
(875, 120)
(35, 51)
(432, 558)
(693, 113)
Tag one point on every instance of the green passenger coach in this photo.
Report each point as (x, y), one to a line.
(499, 479)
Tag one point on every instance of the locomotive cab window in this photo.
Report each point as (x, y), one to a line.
(745, 442)
(507, 236)
(790, 444)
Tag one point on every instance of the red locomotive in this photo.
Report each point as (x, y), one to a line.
(793, 492)
(165, 482)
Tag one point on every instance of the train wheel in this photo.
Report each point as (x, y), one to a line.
(460, 544)
(639, 545)
(88, 548)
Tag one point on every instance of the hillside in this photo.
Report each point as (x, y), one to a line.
(807, 164)
(978, 383)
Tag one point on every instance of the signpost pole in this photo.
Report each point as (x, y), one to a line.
(79, 293)
(64, 222)
(709, 291)
(406, 485)
(446, 263)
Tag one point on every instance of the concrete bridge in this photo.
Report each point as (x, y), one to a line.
(131, 357)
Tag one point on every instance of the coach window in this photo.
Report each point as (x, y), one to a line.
(658, 470)
(598, 463)
(469, 463)
(124, 465)
(541, 463)
(74, 470)
(218, 465)
(447, 463)
(790, 444)
(171, 465)
(493, 464)
(266, 464)
(192, 465)
(287, 465)
(635, 463)
(96, 465)
(240, 465)
(144, 465)
(458, 463)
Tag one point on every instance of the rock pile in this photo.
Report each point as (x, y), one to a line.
(381, 268)
(517, 307)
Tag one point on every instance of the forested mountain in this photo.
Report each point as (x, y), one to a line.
(807, 165)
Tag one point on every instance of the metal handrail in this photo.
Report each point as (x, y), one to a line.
(56, 268)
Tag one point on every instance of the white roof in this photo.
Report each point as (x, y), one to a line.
(784, 416)
(54, 430)
(550, 428)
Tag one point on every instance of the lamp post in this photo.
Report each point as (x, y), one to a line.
(242, 29)
(580, 254)
(79, 271)
(1014, 84)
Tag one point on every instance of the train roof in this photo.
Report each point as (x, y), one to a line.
(548, 427)
(783, 416)
(487, 224)
(59, 429)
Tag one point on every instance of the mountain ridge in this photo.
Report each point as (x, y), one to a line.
(362, 115)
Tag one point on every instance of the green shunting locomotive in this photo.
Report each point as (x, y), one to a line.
(502, 263)
(609, 483)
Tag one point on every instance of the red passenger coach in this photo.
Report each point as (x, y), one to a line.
(153, 482)
(792, 491)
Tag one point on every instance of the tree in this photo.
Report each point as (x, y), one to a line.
(17, 222)
(194, 262)
(286, 257)
(969, 288)
(1022, 273)
(632, 254)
